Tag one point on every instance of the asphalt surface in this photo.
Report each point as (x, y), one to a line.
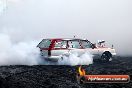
(53, 76)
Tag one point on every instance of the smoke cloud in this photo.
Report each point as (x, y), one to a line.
(74, 59)
(21, 53)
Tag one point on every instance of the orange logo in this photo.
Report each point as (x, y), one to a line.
(83, 78)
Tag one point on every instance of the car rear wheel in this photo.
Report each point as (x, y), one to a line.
(106, 57)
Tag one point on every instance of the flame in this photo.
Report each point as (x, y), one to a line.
(81, 71)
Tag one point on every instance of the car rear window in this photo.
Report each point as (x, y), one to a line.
(45, 43)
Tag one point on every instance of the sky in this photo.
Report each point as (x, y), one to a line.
(109, 20)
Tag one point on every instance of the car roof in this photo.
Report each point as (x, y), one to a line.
(67, 39)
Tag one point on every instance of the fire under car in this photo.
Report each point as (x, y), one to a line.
(55, 49)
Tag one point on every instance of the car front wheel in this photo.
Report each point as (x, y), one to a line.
(106, 57)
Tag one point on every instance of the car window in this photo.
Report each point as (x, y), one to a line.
(60, 44)
(45, 43)
(86, 44)
(74, 44)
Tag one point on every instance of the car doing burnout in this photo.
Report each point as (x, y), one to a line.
(55, 49)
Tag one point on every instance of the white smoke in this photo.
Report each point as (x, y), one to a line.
(74, 59)
(2, 6)
(21, 53)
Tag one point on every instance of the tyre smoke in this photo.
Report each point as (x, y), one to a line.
(21, 53)
(75, 59)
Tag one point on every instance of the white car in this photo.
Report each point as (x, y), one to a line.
(54, 49)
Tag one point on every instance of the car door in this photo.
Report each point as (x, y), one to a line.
(60, 47)
(75, 47)
(88, 46)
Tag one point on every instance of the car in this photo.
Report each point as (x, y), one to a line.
(54, 49)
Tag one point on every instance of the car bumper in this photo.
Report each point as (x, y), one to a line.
(113, 55)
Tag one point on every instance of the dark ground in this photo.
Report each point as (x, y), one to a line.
(42, 76)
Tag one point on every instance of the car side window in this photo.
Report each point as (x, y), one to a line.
(74, 44)
(60, 44)
(86, 44)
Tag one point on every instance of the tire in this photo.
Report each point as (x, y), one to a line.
(106, 56)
